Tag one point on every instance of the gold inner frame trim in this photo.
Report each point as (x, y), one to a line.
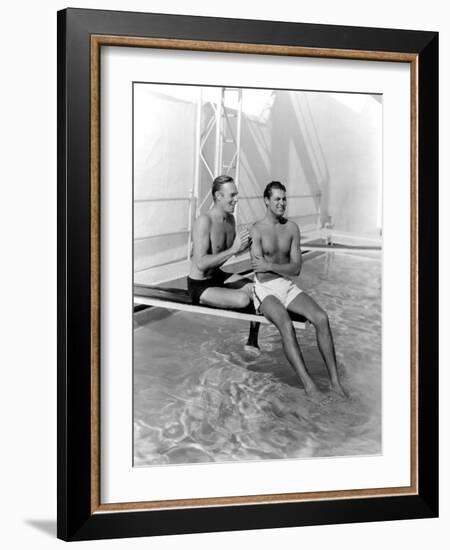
(230, 47)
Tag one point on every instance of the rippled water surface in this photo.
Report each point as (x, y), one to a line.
(201, 396)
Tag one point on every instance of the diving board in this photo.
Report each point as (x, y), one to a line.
(179, 299)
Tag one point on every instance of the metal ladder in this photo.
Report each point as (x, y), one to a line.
(226, 133)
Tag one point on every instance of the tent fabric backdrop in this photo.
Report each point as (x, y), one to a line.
(164, 167)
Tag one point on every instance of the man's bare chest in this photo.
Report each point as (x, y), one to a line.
(276, 241)
(221, 236)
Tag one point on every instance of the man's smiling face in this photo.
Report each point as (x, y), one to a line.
(277, 202)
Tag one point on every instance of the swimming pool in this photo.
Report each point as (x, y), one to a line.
(201, 396)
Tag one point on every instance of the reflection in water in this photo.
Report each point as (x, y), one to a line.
(201, 396)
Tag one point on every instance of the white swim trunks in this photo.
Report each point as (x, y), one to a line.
(283, 289)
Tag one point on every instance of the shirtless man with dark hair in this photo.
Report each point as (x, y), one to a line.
(214, 242)
(276, 257)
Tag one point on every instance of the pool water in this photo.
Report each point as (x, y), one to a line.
(201, 396)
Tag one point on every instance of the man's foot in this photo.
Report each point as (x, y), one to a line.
(337, 389)
(316, 396)
(252, 350)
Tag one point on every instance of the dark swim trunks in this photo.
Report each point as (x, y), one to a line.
(196, 287)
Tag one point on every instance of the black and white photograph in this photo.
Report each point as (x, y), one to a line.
(165, 164)
(257, 286)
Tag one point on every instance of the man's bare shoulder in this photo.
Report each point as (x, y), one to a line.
(204, 220)
(292, 227)
(202, 226)
(256, 228)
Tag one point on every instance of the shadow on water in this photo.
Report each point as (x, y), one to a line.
(46, 526)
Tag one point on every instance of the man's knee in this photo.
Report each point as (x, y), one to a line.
(242, 300)
(285, 325)
(320, 318)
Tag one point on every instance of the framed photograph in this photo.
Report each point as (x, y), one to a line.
(247, 274)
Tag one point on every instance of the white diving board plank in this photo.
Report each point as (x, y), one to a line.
(227, 313)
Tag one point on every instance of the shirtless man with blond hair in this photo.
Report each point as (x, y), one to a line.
(276, 258)
(215, 241)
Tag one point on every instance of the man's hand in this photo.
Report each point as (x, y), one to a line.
(260, 265)
(241, 241)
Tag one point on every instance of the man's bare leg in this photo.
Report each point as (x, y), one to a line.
(306, 306)
(226, 298)
(236, 295)
(275, 312)
(244, 285)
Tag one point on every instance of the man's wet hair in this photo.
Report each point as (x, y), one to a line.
(271, 186)
(217, 184)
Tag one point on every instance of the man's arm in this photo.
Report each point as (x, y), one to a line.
(256, 246)
(201, 241)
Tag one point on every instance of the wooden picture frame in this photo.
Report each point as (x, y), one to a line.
(81, 35)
